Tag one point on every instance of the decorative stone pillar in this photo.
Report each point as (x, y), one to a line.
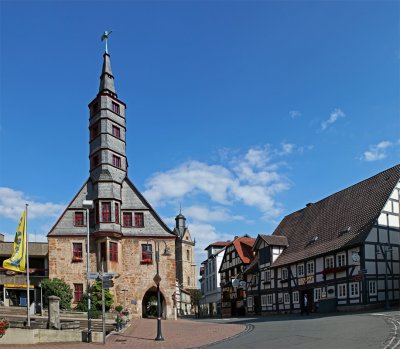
(54, 312)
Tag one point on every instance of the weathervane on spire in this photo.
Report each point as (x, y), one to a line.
(105, 36)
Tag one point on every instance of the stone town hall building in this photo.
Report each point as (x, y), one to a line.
(123, 226)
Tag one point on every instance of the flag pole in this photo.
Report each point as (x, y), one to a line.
(27, 266)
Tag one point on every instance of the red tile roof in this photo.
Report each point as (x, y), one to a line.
(219, 244)
(243, 247)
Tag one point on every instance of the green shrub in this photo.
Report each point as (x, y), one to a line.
(57, 287)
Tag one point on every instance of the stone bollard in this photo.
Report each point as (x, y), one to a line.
(54, 312)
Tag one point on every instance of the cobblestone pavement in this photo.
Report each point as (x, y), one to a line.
(179, 334)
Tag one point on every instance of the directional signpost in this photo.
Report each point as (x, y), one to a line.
(106, 283)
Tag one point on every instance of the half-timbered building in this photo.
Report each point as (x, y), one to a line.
(238, 255)
(340, 253)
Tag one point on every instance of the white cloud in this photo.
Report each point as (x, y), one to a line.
(294, 114)
(251, 178)
(205, 234)
(12, 204)
(333, 117)
(213, 214)
(377, 151)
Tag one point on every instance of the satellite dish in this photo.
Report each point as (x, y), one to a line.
(235, 282)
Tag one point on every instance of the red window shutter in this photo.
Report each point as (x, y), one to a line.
(106, 212)
(127, 219)
(139, 219)
(78, 291)
(113, 252)
(117, 213)
(77, 250)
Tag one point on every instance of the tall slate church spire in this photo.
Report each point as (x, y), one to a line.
(107, 131)
(124, 229)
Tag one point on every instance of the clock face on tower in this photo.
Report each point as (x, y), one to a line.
(355, 257)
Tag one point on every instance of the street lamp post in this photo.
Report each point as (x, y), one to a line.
(157, 280)
(384, 250)
(88, 204)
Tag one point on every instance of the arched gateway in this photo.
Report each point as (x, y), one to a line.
(149, 303)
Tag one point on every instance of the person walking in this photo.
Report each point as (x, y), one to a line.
(305, 305)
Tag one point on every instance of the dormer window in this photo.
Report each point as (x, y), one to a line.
(115, 108)
(78, 219)
(139, 221)
(127, 219)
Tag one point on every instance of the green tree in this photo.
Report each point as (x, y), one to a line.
(57, 287)
(195, 296)
(95, 298)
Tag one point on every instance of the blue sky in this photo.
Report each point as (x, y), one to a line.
(241, 112)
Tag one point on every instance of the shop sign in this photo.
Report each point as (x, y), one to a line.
(18, 286)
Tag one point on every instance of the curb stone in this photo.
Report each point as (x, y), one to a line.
(249, 328)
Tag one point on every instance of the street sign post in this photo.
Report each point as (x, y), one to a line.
(93, 276)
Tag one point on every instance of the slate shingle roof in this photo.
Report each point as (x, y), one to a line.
(275, 240)
(218, 244)
(342, 219)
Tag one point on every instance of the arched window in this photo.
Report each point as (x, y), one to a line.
(188, 255)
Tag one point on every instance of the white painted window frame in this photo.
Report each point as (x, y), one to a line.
(300, 270)
(354, 289)
(342, 291)
(317, 294)
(250, 302)
(310, 268)
(270, 299)
(284, 274)
(264, 300)
(286, 298)
(296, 297)
(329, 262)
(341, 259)
(373, 291)
(268, 275)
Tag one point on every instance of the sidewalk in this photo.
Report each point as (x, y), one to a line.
(179, 334)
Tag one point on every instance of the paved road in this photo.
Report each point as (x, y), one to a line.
(364, 331)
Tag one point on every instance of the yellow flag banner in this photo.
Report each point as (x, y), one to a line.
(18, 258)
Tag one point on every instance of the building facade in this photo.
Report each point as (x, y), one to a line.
(210, 281)
(238, 255)
(125, 231)
(185, 266)
(339, 253)
(13, 285)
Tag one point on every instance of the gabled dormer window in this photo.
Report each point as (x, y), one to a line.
(78, 219)
(127, 219)
(139, 221)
